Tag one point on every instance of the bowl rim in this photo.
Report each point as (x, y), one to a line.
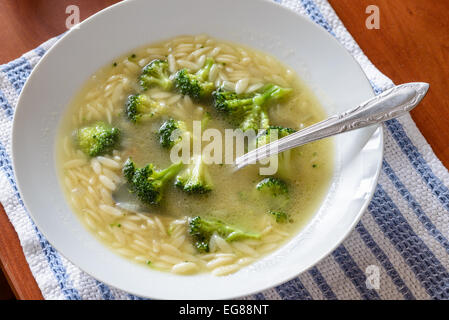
(67, 36)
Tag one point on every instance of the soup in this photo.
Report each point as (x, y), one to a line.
(197, 215)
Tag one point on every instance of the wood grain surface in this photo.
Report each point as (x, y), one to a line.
(411, 45)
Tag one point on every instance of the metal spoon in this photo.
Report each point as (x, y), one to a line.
(390, 104)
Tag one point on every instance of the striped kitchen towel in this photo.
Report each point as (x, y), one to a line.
(403, 233)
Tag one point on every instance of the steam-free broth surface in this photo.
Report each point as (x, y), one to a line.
(159, 237)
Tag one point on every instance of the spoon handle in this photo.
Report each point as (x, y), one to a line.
(390, 104)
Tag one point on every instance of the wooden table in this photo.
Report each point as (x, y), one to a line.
(411, 45)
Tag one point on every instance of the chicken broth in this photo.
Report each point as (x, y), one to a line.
(161, 236)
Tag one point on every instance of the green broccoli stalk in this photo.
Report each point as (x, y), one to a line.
(140, 107)
(248, 111)
(284, 159)
(98, 139)
(147, 183)
(195, 85)
(280, 216)
(202, 230)
(171, 132)
(156, 74)
(195, 179)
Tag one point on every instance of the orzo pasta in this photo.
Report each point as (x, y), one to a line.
(161, 236)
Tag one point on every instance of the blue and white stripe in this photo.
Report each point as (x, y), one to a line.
(404, 232)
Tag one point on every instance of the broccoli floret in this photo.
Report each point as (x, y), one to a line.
(201, 231)
(171, 132)
(195, 85)
(248, 111)
(148, 183)
(284, 159)
(273, 133)
(98, 139)
(195, 179)
(280, 216)
(273, 186)
(156, 74)
(275, 191)
(140, 107)
(278, 197)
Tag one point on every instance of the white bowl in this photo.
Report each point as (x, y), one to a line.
(330, 71)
